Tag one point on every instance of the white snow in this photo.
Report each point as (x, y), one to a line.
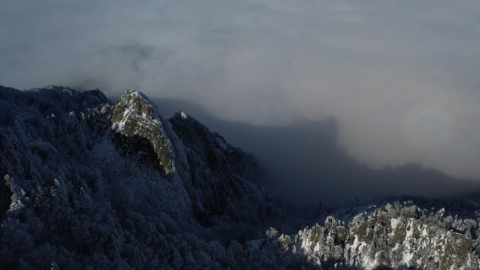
(394, 223)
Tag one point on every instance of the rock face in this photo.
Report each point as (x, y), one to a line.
(139, 132)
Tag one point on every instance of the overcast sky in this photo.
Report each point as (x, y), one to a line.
(401, 77)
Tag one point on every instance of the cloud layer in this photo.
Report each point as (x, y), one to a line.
(401, 77)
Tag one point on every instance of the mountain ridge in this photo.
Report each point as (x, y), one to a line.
(178, 196)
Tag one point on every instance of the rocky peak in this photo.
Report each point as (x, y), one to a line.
(139, 133)
(133, 104)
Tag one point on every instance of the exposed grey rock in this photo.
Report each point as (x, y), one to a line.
(139, 132)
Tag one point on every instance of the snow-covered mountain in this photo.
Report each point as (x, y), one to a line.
(89, 184)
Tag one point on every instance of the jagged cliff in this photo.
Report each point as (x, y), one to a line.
(89, 184)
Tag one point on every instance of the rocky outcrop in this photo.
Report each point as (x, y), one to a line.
(219, 178)
(139, 134)
(393, 236)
